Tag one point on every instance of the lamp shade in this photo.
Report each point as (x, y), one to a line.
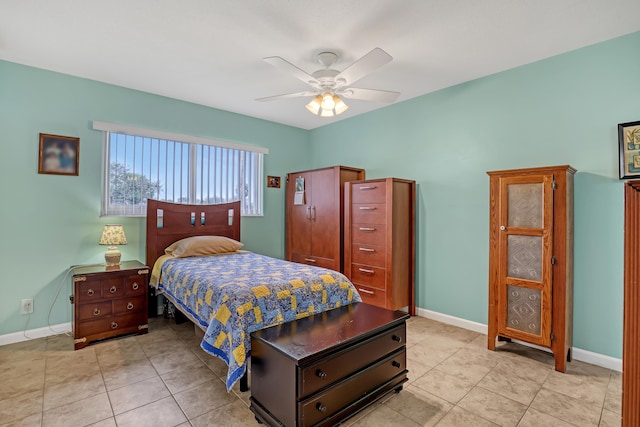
(113, 234)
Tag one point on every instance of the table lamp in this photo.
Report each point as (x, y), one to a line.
(113, 234)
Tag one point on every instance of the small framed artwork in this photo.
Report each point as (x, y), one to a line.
(58, 154)
(273, 181)
(629, 147)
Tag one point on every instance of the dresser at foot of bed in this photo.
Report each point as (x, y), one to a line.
(323, 369)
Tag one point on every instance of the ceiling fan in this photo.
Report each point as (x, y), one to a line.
(329, 85)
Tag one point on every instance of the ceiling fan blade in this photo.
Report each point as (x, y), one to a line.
(296, 72)
(287, 95)
(370, 94)
(372, 60)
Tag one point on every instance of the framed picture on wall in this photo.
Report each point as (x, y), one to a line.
(58, 155)
(273, 181)
(629, 147)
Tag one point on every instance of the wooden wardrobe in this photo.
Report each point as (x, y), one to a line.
(631, 331)
(531, 258)
(314, 215)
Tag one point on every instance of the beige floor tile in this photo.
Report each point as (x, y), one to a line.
(578, 385)
(567, 408)
(235, 414)
(458, 417)
(444, 385)
(204, 398)
(188, 376)
(470, 364)
(493, 407)
(517, 380)
(28, 381)
(167, 362)
(18, 407)
(610, 419)
(82, 412)
(613, 399)
(384, 416)
(33, 420)
(109, 422)
(434, 350)
(162, 413)
(120, 376)
(533, 418)
(418, 405)
(138, 394)
(417, 368)
(77, 388)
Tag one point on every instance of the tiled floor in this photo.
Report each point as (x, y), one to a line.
(165, 379)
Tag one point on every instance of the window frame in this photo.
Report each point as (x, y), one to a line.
(193, 167)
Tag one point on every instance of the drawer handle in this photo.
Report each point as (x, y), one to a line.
(135, 286)
(90, 292)
(113, 289)
(366, 291)
(96, 312)
(364, 270)
(320, 407)
(310, 260)
(321, 374)
(367, 208)
(366, 249)
(397, 338)
(114, 325)
(367, 229)
(368, 187)
(130, 306)
(395, 364)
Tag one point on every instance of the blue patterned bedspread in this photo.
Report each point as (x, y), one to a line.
(235, 294)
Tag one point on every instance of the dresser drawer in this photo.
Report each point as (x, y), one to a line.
(312, 260)
(371, 234)
(371, 295)
(110, 324)
(94, 310)
(128, 305)
(329, 370)
(368, 213)
(367, 275)
(327, 403)
(88, 291)
(112, 288)
(368, 254)
(368, 192)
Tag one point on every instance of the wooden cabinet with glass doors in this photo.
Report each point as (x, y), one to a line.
(531, 258)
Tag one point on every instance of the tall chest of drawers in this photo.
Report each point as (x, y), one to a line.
(109, 301)
(380, 241)
(325, 368)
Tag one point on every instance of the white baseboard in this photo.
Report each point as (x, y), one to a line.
(577, 353)
(47, 331)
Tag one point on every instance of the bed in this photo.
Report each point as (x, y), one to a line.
(231, 292)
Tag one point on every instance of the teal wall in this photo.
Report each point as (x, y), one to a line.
(563, 110)
(50, 222)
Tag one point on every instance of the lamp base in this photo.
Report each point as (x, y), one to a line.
(112, 256)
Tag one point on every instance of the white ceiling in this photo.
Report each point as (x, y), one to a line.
(210, 52)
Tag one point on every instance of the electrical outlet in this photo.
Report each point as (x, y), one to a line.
(26, 306)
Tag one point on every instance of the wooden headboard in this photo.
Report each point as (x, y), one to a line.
(168, 222)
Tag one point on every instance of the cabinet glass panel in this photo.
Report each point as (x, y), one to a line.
(525, 205)
(523, 309)
(524, 257)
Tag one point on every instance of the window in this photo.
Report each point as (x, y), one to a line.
(139, 164)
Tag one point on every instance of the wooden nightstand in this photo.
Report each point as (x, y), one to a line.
(108, 301)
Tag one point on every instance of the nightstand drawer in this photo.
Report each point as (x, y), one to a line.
(128, 305)
(112, 288)
(87, 291)
(343, 364)
(135, 285)
(368, 192)
(110, 324)
(368, 213)
(94, 310)
(368, 275)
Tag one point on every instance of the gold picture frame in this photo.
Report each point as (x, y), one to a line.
(58, 155)
(273, 181)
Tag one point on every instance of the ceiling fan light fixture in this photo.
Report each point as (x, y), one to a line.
(327, 101)
(314, 105)
(326, 113)
(340, 107)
